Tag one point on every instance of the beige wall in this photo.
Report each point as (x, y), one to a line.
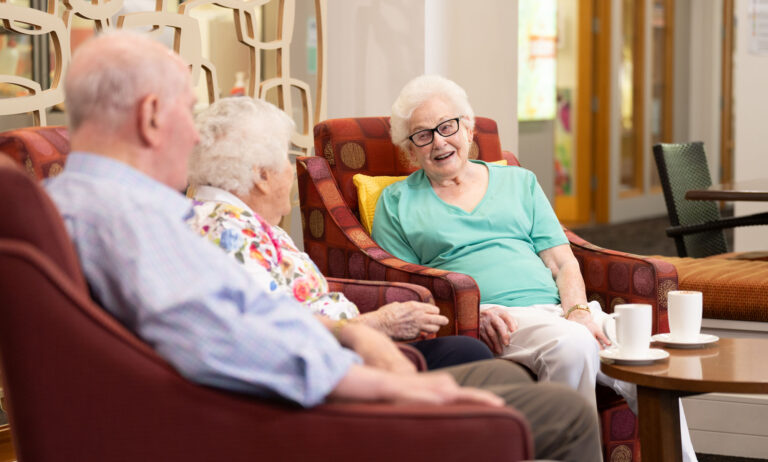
(750, 125)
(376, 46)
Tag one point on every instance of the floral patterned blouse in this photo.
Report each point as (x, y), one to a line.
(267, 252)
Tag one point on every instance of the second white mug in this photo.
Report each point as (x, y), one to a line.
(633, 329)
(684, 310)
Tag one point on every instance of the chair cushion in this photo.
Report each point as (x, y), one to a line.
(369, 189)
(733, 289)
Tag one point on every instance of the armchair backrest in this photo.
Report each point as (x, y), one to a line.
(27, 213)
(683, 166)
(362, 145)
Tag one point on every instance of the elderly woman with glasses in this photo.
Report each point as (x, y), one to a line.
(495, 224)
(241, 178)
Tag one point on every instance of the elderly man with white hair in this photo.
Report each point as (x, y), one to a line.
(131, 132)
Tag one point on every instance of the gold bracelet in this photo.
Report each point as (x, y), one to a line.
(337, 327)
(578, 306)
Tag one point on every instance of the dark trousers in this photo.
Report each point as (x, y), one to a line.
(452, 351)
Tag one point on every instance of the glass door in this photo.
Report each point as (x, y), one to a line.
(634, 105)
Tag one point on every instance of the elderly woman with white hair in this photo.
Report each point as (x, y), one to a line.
(495, 224)
(240, 176)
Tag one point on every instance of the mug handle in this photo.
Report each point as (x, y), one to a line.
(610, 318)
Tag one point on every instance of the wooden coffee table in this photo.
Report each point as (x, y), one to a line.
(732, 365)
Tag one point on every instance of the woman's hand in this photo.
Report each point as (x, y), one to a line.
(495, 327)
(404, 321)
(585, 318)
(376, 349)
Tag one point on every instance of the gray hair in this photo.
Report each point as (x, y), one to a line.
(416, 92)
(238, 134)
(110, 73)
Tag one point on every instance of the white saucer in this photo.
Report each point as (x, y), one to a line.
(667, 340)
(612, 355)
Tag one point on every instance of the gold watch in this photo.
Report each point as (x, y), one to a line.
(577, 307)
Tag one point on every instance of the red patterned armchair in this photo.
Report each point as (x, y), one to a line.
(339, 245)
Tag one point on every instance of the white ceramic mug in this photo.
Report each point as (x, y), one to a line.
(684, 309)
(633, 329)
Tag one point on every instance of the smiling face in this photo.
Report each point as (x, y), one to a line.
(445, 157)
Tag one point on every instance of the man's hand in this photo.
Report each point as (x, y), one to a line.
(440, 388)
(585, 318)
(365, 384)
(376, 349)
(495, 327)
(404, 321)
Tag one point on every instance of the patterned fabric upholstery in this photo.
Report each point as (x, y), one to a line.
(613, 278)
(370, 295)
(333, 236)
(40, 150)
(733, 289)
(336, 241)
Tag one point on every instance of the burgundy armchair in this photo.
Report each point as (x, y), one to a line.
(339, 245)
(79, 386)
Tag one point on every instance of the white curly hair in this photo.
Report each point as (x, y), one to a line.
(416, 92)
(238, 134)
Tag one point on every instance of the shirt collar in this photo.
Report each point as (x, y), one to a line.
(105, 168)
(214, 194)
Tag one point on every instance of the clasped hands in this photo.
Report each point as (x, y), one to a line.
(369, 335)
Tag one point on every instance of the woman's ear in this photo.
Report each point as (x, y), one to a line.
(261, 177)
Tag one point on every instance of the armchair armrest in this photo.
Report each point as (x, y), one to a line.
(338, 244)
(613, 277)
(724, 223)
(370, 295)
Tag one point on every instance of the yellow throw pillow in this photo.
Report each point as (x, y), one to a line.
(369, 189)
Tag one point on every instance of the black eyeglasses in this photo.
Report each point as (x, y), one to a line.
(424, 137)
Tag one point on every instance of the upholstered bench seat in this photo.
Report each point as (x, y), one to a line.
(734, 289)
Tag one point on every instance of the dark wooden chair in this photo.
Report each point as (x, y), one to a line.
(696, 226)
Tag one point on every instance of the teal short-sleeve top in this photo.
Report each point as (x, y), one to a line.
(497, 243)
